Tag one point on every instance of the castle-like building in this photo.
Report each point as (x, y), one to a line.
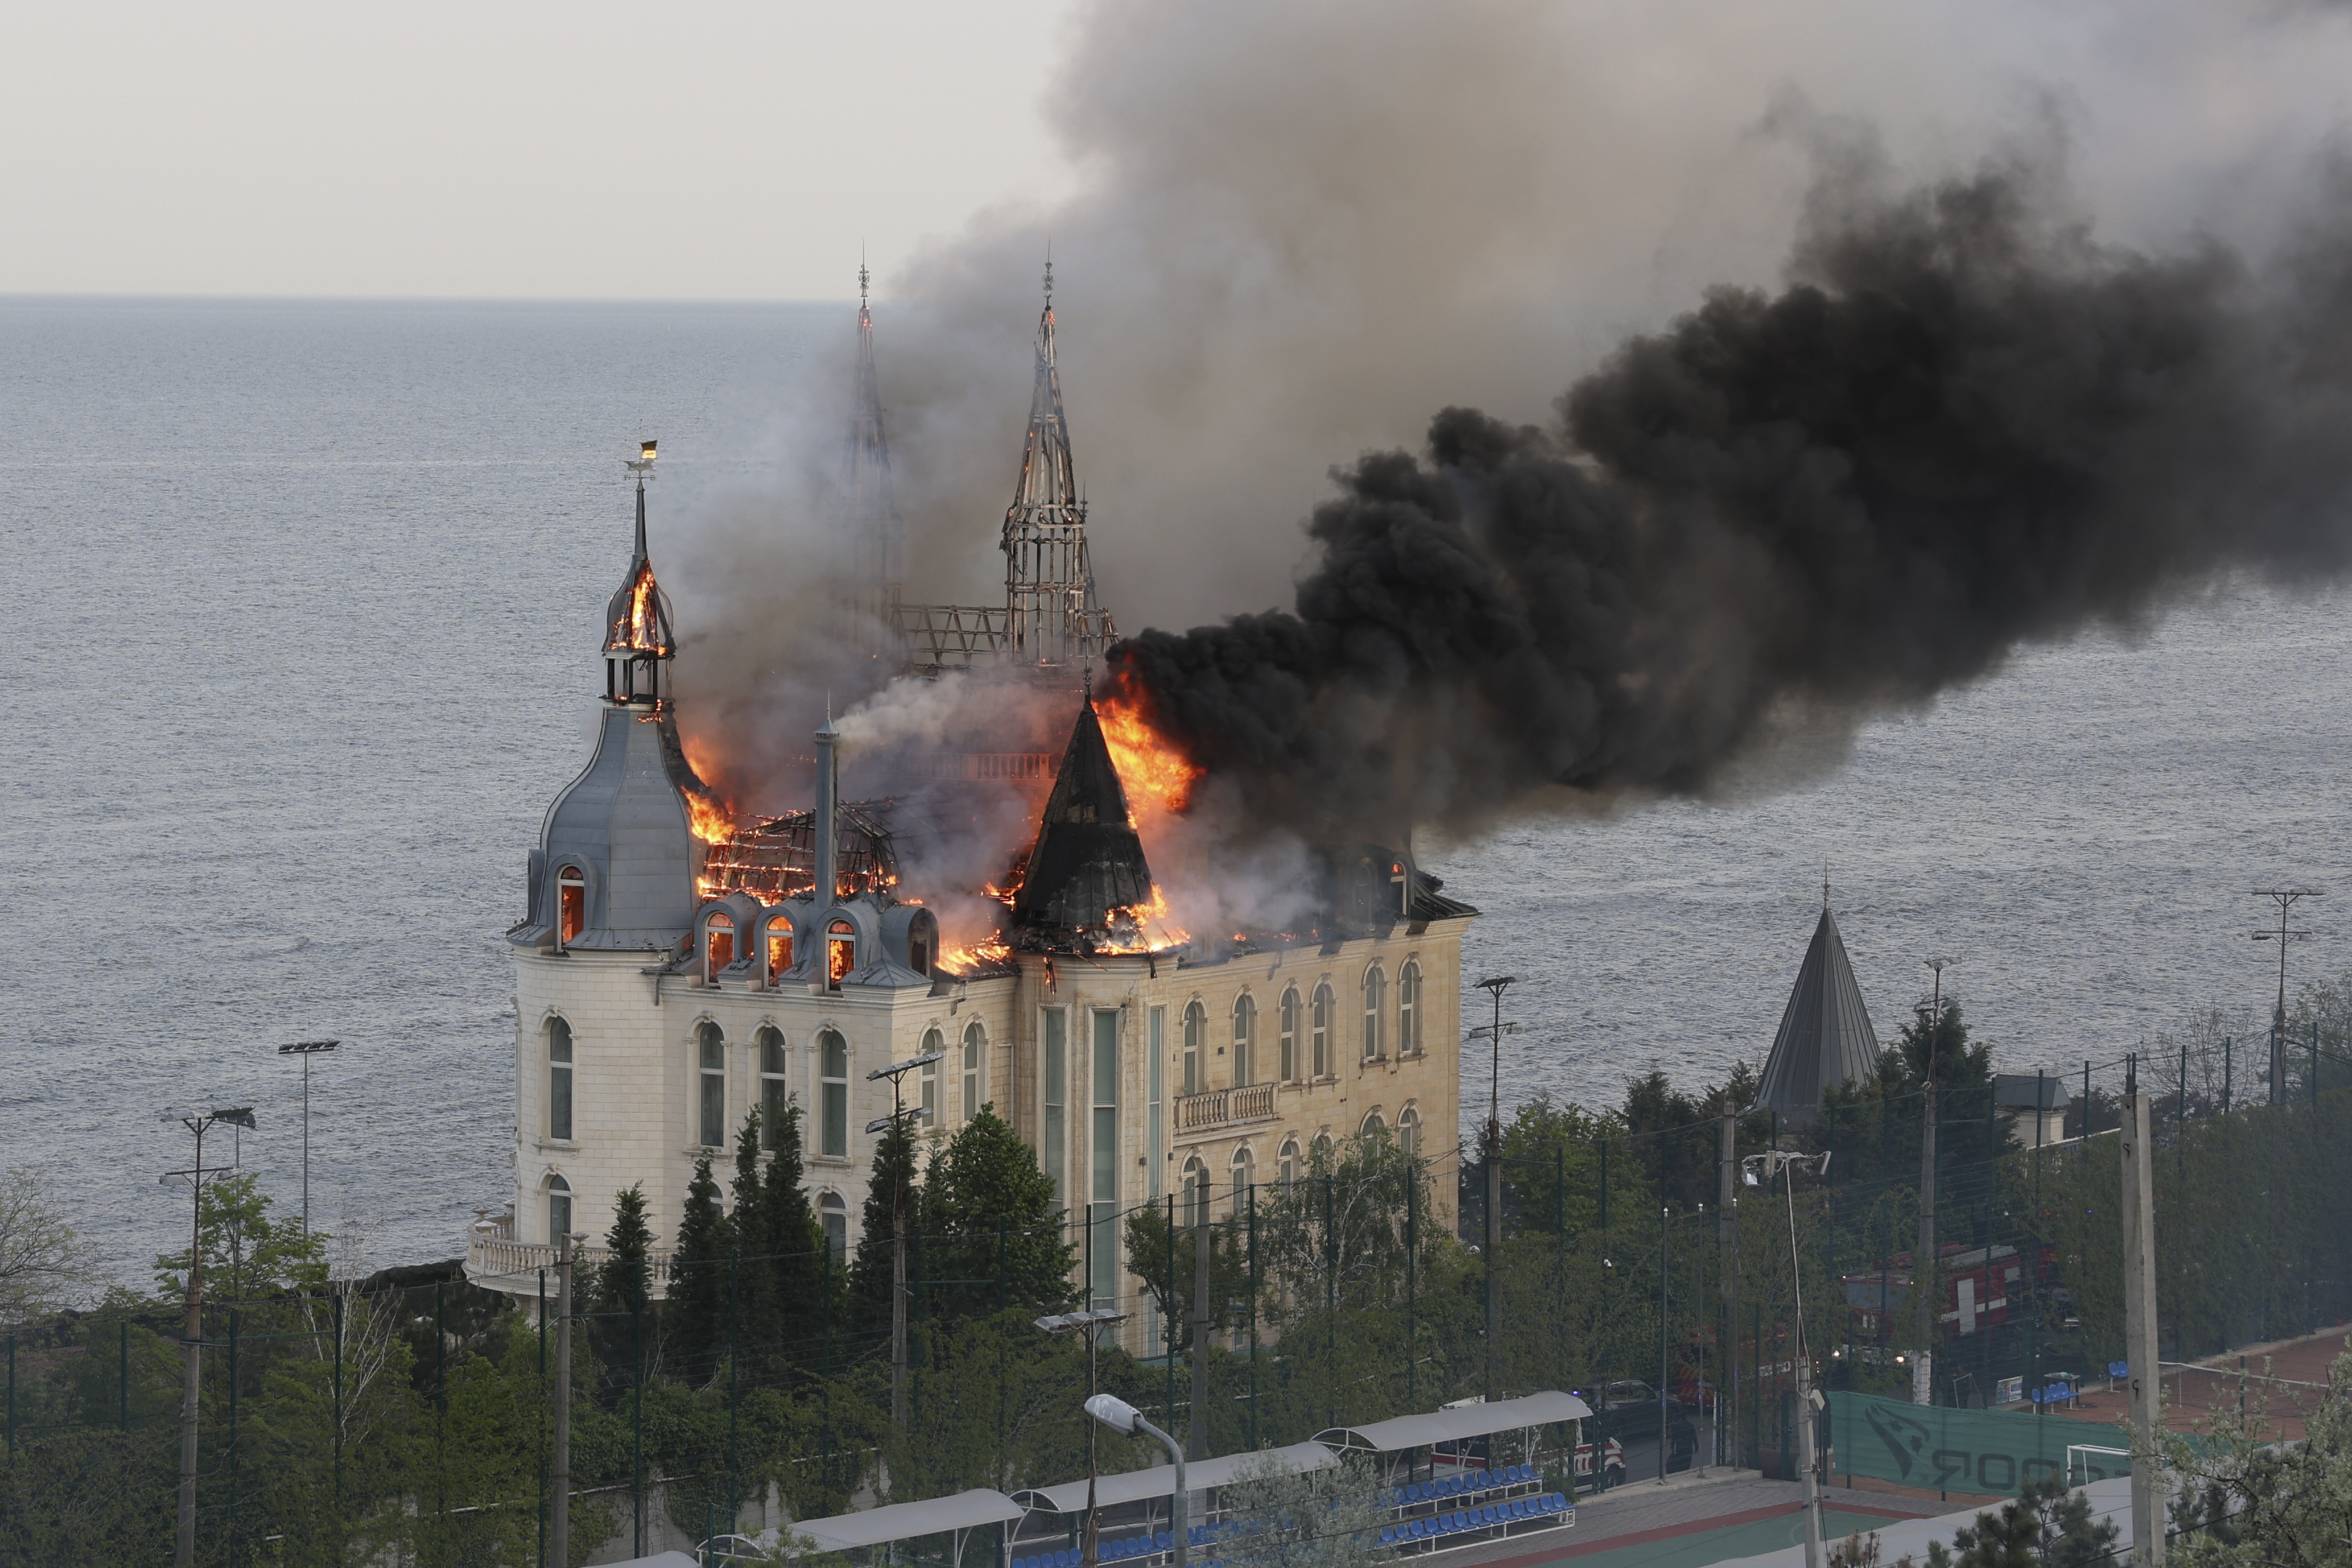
(668, 980)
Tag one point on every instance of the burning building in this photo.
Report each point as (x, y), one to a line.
(676, 967)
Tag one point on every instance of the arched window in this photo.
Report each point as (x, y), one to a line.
(1376, 989)
(932, 1046)
(834, 1214)
(1374, 1126)
(711, 1122)
(1196, 1191)
(1287, 1015)
(559, 1210)
(833, 1070)
(779, 946)
(921, 941)
(975, 1053)
(1196, 1031)
(1409, 1009)
(1244, 1042)
(559, 1079)
(775, 1089)
(718, 945)
(570, 901)
(1285, 1168)
(1408, 1132)
(1322, 1151)
(1320, 1032)
(840, 952)
(1245, 1174)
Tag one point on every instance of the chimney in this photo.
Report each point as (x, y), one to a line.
(828, 816)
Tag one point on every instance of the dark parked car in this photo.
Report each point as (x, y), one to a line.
(1628, 1409)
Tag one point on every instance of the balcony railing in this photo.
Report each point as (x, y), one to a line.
(490, 1258)
(1219, 1106)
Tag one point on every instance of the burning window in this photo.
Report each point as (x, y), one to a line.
(779, 946)
(1320, 1034)
(710, 1043)
(570, 902)
(1244, 1042)
(1409, 1010)
(840, 952)
(1376, 987)
(718, 945)
(559, 1079)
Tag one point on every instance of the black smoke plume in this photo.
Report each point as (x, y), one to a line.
(1962, 427)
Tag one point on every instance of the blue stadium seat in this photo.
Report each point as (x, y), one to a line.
(1164, 1542)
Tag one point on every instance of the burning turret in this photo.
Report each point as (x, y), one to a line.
(621, 845)
(1087, 887)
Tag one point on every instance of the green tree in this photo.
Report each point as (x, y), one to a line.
(625, 1330)
(43, 1264)
(701, 1274)
(2046, 1525)
(986, 1184)
(2249, 1500)
(249, 1257)
(871, 1268)
(797, 1273)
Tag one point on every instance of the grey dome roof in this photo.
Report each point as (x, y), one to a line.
(624, 821)
(1825, 1036)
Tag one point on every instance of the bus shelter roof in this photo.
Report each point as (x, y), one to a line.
(1458, 1422)
(905, 1521)
(1136, 1485)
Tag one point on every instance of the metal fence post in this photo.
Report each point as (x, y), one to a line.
(11, 1394)
(542, 1418)
(234, 1329)
(734, 1401)
(637, 1415)
(122, 1371)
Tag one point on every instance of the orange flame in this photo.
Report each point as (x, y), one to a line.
(713, 822)
(1148, 764)
(979, 955)
(639, 629)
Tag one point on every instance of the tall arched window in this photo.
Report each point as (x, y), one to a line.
(718, 945)
(840, 952)
(1287, 1015)
(559, 1210)
(1409, 1009)
(932, 1046)
(710, 1074)
(1244, 1042)
(572, 901)
(1245, 1173)
(1320, 1032)
(975, 1053)
(1374, 1126)
(1196, 1031)
(1323, 1150)
(1376, 990)
(559, 1079)
(834, 1214)
(1286, 1168)
(832, 1071)
(1408, 1132)
(779, 946)
(775, 1089)
(1196, 1191)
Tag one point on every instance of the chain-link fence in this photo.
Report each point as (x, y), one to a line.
(415, 1422)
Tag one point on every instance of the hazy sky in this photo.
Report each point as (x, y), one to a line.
(721, 149)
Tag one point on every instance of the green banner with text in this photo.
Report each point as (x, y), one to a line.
(1991, 1452)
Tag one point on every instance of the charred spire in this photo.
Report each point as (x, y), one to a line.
(1051, 616)
(1087, 879)
(639, 638)
(868, 509)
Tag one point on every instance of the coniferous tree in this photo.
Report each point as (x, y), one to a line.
(746, 1308)
(798, 1272)
(985, 1180)
(698, 1279)
(624, 1331)
(870, 1269)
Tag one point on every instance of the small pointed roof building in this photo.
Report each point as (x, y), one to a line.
(1826, 1037)
(1086, 877)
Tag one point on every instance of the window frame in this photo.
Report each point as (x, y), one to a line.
(562, 1078)
(717, 927)
(772, 929)
(774, 1066)
(832, 1094)
(1408, 980)
(710, 1085)
(928, 1077)
(1376, 997)
(1408, 1131)
(832, 1219)
(1245, 1040)
(1287, 1161)
(1190, 1079)
(559, 1191)
(1320, 1016)
(975, 1068)
(1286, 1015)
(840, 952)
(571, 904)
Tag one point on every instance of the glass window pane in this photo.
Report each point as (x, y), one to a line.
(837, 1120)
(559, 1102)
(1057, 1061)
(771, 1051)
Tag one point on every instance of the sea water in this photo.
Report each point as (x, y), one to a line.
(302, 602)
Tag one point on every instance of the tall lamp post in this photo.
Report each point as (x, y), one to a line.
(1771, 1161)
(896, 1072)
(1091, 1323)
(192, 1337)
(2287, 899)
(1923, 1260)
(1126, 1420)
(1491, 1149)
(306, 1050)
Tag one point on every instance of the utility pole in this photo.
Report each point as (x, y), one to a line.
(2140, 1330)
(1923, 1259)
(1726, 1239)
(1491, 1148)
(900, 1113)
(1809, 1402)
(306, 1050)
(1091, 1323)
(192, 1338)
(559, 1529)
(2286, 898)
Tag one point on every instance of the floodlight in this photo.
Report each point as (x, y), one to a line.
(913, 1113)
(1113, 1412)
(307, 1047)
(1747, 1175)
(893, 1068)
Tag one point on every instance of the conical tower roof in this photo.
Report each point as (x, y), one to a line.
(1825, 1036)
(1087, 873)
(1048, 486)
(865, 456)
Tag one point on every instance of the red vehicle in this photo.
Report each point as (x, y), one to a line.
(1981, 1288)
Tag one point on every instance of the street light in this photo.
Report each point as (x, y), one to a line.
(199, 1122)
(1091, 1323)
(1780, 1162)
(1126, 1420)
(306, 1050)
(895, 1071)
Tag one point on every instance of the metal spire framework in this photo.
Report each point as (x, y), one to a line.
(1051, 616)
(868, 510)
